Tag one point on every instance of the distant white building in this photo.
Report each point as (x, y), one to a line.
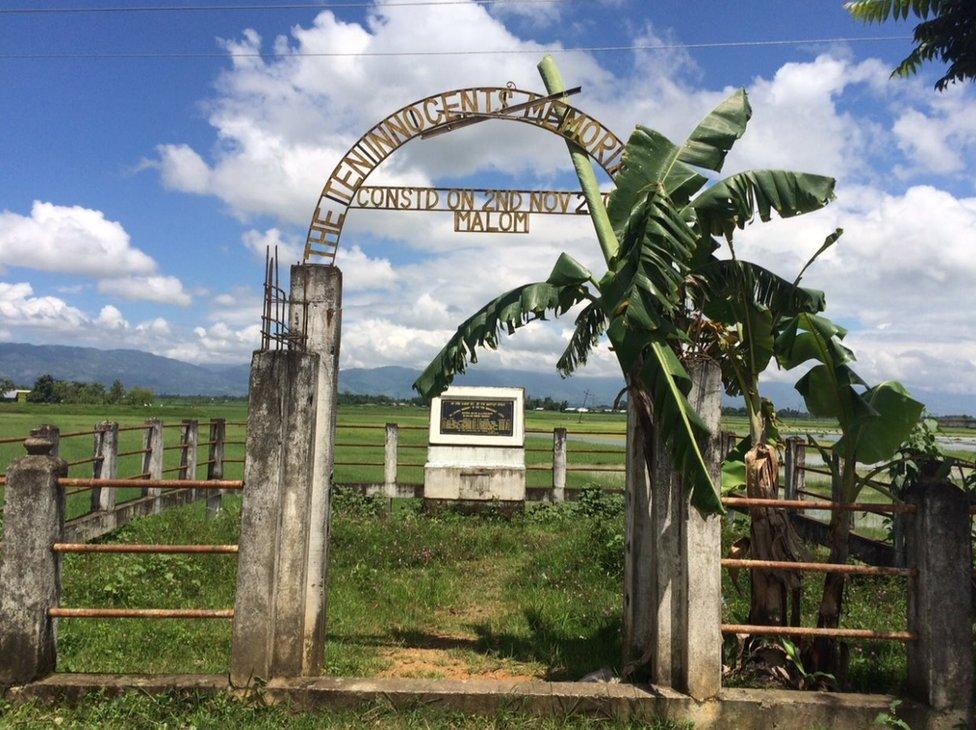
(18, 394)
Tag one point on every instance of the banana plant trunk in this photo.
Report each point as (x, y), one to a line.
(827, 652)
(772, 537)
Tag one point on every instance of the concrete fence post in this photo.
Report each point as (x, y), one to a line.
(274, 616)
(189, 441)
(390, 462)
(939, 548)
(558, 464)
(106, 464)
(315, 310)
(152, 459)
(29, 569)
(789, 468)
(215, 464)
(672, 569)
(799, 467)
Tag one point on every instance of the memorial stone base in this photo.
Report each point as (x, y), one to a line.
(484, 464)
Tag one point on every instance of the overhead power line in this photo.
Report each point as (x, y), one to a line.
(101, 55)
(263, 6)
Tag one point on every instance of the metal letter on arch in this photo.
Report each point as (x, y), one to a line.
(439, 111)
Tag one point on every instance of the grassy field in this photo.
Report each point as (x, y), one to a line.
(447, 596)
(410, 594)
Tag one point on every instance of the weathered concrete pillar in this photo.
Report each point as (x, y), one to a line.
(272, 620)
(672, 569)
(30, 570)
(215, 464)
(558, 464)
(789, 467)
(700, 638)
(940, 660)
(315, 309)
(106, 464)
(799, 467)
(189, 439)
(390, 462)
(152, 459)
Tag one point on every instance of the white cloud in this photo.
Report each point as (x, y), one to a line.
(162, 289)
(941, 140)
(111, 318)
(19, 308)
(69, 239)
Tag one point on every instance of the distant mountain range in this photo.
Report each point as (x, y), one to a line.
(23, 363)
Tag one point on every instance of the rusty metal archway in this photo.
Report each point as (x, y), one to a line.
(445, 112)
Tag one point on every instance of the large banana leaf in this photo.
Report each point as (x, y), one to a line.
(651, 160)
(711, 140)
(644, 284)
(735, 201)
(874, 421)
(590, 324)
(878, 437)
(724, 280)
(565, 288)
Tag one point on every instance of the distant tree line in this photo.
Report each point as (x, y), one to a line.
(546, 404)
(358, 399)
(47, 389)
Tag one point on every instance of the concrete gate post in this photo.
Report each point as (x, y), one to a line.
(315, 309)
(30, 569)
(939, 547)
(270, 625)
(672, 569)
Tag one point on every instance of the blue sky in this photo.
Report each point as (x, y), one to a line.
(137, 194)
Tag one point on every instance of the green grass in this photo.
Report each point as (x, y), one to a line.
(410, 594)
(139, 710)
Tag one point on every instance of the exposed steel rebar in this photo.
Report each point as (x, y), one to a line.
(141, 612)
(157, 483)
(133, 452)
(86, 547)
(903, 636)
(815, 567)
(801, 504)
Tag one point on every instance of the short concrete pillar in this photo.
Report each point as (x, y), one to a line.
(275, 612)
(215, 464)
(315, 309)
(189, 439)
(390, 461)
(30, 570)
(939, 547)
(799, 467)
(558, 464)
(106, 464)
(789, 468)
(152, 458)
(672, 569)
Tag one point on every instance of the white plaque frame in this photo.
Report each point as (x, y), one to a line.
(517, 439)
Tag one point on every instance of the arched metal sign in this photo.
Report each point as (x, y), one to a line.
(442, 113)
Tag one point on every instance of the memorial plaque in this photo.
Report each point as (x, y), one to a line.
(477, 417)
(475, 450)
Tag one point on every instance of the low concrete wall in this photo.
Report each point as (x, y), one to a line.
(95, 524)
(738, 709)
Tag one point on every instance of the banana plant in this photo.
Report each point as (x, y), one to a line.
(874, 421)
(659, 218)
(747, 306)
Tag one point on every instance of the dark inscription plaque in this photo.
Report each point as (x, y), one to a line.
(478, 417)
